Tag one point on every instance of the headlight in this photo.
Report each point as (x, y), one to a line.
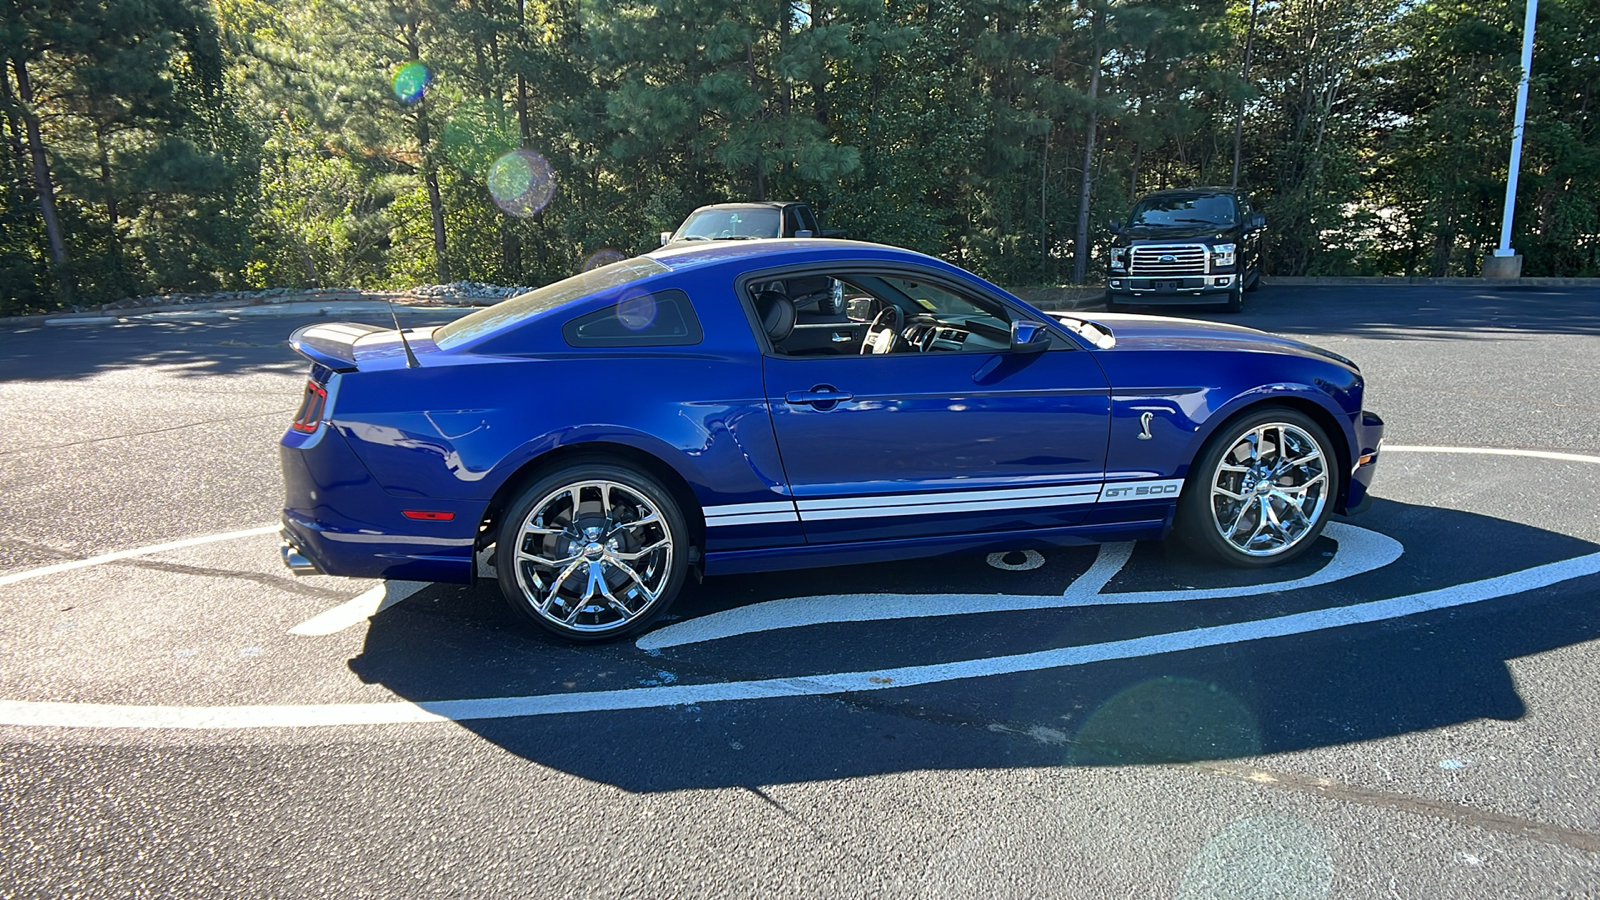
(1223, 254)
(1119, 257)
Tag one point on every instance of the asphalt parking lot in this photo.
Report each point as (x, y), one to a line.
(1407, 711)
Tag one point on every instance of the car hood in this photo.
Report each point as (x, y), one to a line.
(1131, 333)
(1177, 233)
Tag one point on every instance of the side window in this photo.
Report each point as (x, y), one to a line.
(791, 222)
(860, 313)
(661, 319)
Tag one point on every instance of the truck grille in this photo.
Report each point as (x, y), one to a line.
(1161, 260)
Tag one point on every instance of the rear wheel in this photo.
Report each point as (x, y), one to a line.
(592, 552)
(1260, 492)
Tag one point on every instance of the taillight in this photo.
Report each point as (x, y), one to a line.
(311, 407)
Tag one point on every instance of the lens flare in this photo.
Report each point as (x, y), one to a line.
(411, 81)
(602, 258)
(1167, 719)
(521, 183)
(637, 312)
(477, 133)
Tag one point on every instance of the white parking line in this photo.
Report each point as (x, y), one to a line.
(92, 715)
(1360, 550)
(1494, 451)
(1086, 589)
(27, 574)
(363, 607)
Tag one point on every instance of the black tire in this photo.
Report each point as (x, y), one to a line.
(1202, 511)
(1235, 301)
(1255, 280)
(561, 518)
(1112, 304)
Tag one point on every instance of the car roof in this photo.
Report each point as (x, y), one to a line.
(1193, 192)
(679, 256)
(750, 204)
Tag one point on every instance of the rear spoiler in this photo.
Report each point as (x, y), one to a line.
(331, 344)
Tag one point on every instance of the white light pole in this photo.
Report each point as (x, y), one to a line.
(1505, 263)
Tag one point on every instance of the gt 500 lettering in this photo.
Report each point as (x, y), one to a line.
(1141, 490)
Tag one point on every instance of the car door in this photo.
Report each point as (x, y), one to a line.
(942, 436)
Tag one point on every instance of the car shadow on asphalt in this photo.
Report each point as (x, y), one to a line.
(1319, 687)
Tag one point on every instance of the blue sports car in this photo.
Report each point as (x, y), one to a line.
(765, 405)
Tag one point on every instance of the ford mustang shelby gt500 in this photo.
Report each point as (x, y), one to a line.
(778, 404)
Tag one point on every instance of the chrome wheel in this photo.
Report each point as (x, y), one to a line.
(1269, 489)
(592, 557)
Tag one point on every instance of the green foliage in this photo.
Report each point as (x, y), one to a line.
(193, 144)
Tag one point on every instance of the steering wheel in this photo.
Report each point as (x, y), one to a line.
(882, 340)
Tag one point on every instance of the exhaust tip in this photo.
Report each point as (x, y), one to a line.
(296, 561)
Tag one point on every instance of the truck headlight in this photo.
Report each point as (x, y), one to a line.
(1223, 254)
(1119, 257)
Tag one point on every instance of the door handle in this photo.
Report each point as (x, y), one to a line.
(822, 396)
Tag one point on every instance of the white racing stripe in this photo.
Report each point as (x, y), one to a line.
(361, 608)
(27, 574)
(89, 715)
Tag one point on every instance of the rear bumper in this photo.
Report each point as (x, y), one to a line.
(338, 521)
(1369, 441)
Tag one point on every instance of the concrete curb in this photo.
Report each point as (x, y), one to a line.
(287, 305)
(1421, 281)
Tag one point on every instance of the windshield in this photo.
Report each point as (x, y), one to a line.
(525, 306)
(732, 224)
(1206, 209)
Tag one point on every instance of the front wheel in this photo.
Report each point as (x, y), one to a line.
(592, 552)
(1260, 492)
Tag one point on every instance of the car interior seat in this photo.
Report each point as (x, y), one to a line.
(776, 312)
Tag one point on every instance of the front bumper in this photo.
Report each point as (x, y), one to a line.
(1171, 289)
(1369, 443)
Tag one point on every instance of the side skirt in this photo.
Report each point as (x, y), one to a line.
(773, 559)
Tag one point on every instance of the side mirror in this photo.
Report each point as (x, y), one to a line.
(1115, 226)
(1029, 337)
(803, 233)
(666, 238)
(1258, 221)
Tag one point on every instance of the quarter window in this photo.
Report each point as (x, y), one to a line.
(660, 319)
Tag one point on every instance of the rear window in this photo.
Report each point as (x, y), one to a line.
(525, 306)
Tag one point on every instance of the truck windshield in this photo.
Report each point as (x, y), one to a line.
(1206, 209)
(732, 224)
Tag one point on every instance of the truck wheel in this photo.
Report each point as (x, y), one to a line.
(1235, 301)
(1111, 303)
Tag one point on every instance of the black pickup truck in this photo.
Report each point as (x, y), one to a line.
(748, 222)
(1197, 245)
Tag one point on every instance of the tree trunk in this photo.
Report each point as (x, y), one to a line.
(1080, 245)
(1244, 75)
(42, 182)
(16, 168)
(430, 176)
(1044, 230)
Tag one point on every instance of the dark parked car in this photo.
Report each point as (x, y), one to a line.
(1197, 245)
(748, 222)
(778, 404)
